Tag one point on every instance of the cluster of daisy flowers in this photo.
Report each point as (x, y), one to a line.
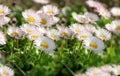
(105, 70)
(42, 29)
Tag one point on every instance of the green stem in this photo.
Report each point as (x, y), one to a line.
(40, 56)
(20, 69)
(69, 69)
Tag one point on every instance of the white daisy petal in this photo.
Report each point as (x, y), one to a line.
(46, 44)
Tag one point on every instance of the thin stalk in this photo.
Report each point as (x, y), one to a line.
(20, 69)
(69, 69)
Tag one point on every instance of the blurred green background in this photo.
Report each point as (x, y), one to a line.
(60, 3)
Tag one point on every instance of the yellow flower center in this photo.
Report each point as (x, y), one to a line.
(94, 74)
(34, 36)
(53, 36)
(118, 27)
(63, 33)
(82, 20)
(118, 73)
(83, 36)
(1, 11)
(43, 21)
(102, 36)
(50, 11)
(77, 30)
(93, 44)
(90, 18)
(28, 30)
(44, 44)
(4, 74)
(14, 34)
(30, 19)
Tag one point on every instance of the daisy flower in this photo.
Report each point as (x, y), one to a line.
(55, 20)
(115, 11)
(76, 28)
(94, 4)
(15, 32)
(42, 30)
(94, 43)
(46, 20)
(4, 20)
(90, 28)
(46, 44)
(6, 71)
(2, 38)
(50, 10)
(53, 34)
(104, 13)
(80, 18)
(116, 70)
(91, 17)
(31, 17)
(27, 28)
(107, 68)
(109, 27)
(42, 1)
(64, 31)
(83, 35)
(103, 34)
(96, 72)
(4, 10)
(115, 25)
(34, 35)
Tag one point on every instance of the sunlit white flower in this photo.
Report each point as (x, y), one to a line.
(34, 35)
(4, 10)
(50, 10)
(109, 27)
(77, 28)
(2, 38)
(115, 11)
(90, 28)
(27, 28)
(116, 70)
(46, 20)
(64, 31)
(91, 17)
(55, 20)
(83, 35)
(15, 32)
(103, 34)
(94, 4)
(53, 34)
(4, 20)
(104, 13)
(80, 18)
(31, 17)
(41, 30)
(6, 71)
(42, 1)
(97, 72)
(106, 68)
(46, 44)
(94, 44)
(115, 25)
